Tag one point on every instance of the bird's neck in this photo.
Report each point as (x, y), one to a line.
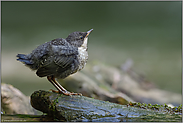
(83, 48)
(84, 45)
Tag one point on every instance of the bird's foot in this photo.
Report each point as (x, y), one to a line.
(70, 93)
(54, 91)
(65, 92)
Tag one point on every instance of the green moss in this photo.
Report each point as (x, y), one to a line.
(157, 107)
(165, 105)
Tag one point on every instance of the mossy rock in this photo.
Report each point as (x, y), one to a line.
(81, 108)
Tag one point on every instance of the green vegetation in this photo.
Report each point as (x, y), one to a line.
(156, 107)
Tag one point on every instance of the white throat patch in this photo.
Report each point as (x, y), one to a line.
(84, 45)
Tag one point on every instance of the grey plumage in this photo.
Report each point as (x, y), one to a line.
(58, 58)
(54, 58)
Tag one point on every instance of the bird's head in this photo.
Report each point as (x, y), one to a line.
(78, 39)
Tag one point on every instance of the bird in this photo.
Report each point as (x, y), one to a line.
(59, 58)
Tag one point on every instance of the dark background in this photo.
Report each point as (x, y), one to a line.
(149, 33)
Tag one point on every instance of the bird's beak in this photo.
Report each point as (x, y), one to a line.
(89, 32)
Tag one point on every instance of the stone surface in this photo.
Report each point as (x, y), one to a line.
(13, 101)
(81, 108)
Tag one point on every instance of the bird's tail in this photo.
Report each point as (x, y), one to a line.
(23, 58)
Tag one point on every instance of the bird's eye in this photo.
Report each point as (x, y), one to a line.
(81, 37)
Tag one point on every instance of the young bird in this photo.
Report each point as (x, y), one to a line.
(59, 58)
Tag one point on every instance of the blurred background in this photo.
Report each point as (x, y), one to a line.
(149, 33)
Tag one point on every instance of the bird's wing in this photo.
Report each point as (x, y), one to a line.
(64, 53)
(47, 68)
(62, 57)
(64, 60)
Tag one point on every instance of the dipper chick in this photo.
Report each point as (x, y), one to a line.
(59, 58)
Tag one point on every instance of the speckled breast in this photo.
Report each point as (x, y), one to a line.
(82, 57)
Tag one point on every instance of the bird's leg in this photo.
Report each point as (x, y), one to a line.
(49, 78)
(64, 91)
(59, 87)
